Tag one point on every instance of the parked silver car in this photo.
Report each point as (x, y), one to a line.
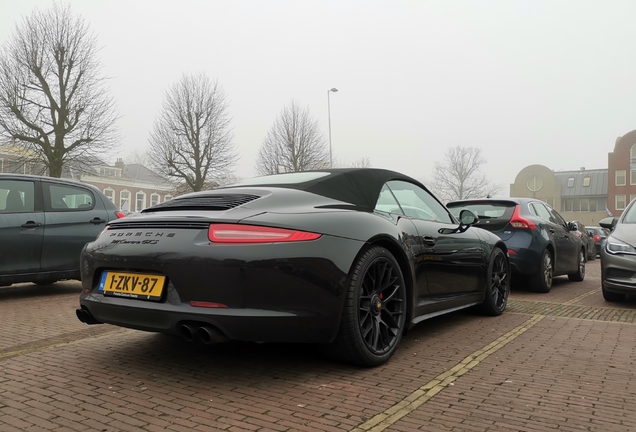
(618, 256)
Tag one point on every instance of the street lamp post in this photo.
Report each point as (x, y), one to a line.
(329, 117)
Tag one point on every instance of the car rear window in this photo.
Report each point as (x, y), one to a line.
(492, 216)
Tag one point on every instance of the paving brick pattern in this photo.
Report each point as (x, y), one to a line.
(570, 371)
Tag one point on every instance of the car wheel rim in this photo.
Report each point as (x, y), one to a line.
(500, 282)
(547, 269)
(381, 306)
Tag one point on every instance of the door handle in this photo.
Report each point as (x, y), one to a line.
(31, 224)
(97, 221)
(428, 240)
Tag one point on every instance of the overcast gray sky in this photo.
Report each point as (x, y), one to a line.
(548, 82)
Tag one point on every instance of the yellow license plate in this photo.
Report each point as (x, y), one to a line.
(133, 285)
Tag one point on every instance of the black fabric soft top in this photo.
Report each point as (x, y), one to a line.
(357, 186)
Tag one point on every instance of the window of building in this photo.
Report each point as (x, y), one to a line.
(586, 181)
(620, 177)
(1, 165)
(585, 205)
(124, 201)
(110, 172)
(632, 177)
(593, 206)
(632, 153)
(571, 182)
(620, 202)
(550, 202)
(154, 199)
(567, 205)
(167, 198)
(140, 201)
(631, 197)
(110, 194)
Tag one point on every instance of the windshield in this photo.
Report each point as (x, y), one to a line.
(630, 214)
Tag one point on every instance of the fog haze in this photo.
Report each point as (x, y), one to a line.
(548, 82)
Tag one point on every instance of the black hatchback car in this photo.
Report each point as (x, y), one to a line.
(44, 224)
(541, 244)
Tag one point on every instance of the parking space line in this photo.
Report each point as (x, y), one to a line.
(46, 345)
(582, 296)
(420, 396)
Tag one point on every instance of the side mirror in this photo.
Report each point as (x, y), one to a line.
(468, 218)
(609, 223)
(572, 226)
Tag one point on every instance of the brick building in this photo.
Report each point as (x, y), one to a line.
(621, 164)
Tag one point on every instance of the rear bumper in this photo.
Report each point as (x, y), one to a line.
(273, 292)
(235, 324)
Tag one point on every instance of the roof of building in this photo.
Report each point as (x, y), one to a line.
(141, 173)
(575, 187)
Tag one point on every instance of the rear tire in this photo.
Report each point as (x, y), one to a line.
(374, 314)
(542, 281)
(580, 273)
(497, 284)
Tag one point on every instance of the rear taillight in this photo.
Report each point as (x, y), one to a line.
(119, 214)
(234, 233)
(517, 221)
(597, 238)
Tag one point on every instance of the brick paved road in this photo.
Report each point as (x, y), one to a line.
(557, 361)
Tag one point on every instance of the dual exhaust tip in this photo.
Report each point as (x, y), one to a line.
(85, 316)
(205, 333)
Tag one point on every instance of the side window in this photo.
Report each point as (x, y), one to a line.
(387, 203)
(418, 203)
(541, 211)
(68, 198)
(557, 219)
(17, 196)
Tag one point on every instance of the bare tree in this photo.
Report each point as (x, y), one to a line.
(192, 140)
(294, 143)
(363, 162)
(460, 175)
(137, 156)
(53, 100)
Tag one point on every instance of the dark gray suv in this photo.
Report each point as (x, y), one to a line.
(44, 224)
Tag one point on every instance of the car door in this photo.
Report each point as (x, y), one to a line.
(74, 216)
(561, 237)
(451, 263)
(21, 226)
(569, 246)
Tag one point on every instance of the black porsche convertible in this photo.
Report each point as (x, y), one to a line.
(347, 258)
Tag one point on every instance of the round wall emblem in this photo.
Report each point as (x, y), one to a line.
(535, 183)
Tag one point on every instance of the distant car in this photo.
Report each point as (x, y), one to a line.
(587, 239)
(541, 244)
(599, 234)
(618, 256)
(346, 258)
(44, 224)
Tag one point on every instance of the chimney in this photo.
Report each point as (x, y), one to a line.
(582, 168)
(119, 163)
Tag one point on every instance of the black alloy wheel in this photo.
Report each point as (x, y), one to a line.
(580, 273)
(543, 279)
(374, 314)
(497, 284)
